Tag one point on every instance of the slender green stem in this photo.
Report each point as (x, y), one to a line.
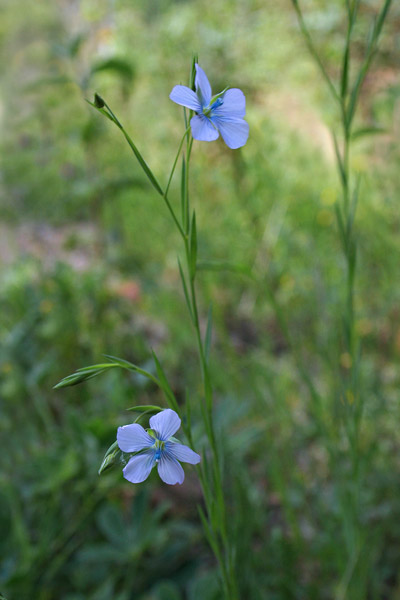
(313, 51)
(175, 162)
(215, 502)
(349, 487)
(145, 166)
(210, 478)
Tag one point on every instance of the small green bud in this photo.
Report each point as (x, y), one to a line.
(98, 101)
(195, 59)
(112, 456)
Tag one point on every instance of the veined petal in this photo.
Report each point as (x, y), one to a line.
(185, 97)
(233, 105)
(182, 452)
(139, 467)
(235, 131)
(203, 129)
(203, 87)
(170, 470)
(132, 438)
(165, 424)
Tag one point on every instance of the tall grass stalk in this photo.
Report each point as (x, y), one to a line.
(349, 481)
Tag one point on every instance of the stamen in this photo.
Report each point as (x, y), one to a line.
(217, 103)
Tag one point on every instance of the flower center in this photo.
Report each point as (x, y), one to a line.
(212, 106)
(159, 447)
(217, 103)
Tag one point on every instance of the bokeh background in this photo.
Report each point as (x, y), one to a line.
(89, 266)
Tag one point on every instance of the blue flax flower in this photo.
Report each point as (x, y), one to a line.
(159, 450)
(222, 114)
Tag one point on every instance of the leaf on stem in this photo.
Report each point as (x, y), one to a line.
(366, 131)
(112, 456)
(183, 184)
(145, 408)
(192, 77)
(342, 171)
(340, 222)
(105, 110)
(84, 374)
(353, 208)
(193, 246)
(374, 34)
(207, 343)
(185, 291)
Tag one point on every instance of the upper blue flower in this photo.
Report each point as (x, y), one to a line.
(159, 450)
(222, 114)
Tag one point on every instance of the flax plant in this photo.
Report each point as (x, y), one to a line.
(205, 125)
(349, 481)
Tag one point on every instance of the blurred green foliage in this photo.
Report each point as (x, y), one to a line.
(89, 267)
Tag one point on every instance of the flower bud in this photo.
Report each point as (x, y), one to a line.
(98, 101)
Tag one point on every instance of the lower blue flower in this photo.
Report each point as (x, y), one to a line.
(159, 450)
(222, 114)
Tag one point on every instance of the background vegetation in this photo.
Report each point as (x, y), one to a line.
(88, 266)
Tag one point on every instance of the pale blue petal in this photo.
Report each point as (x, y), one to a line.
(132, 438)
(234, 131)
(203, 87)
(165, 424)
(203, 129)
(170, 470)
(139, 467)
(233, 105)
(185, 97)
(183, 453)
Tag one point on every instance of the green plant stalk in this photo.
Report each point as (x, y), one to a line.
(215, 524)
(215, 506)
(107, 112)
(351, 398)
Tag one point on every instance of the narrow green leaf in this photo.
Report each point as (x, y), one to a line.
(111, 449)
(207, 343)
(314, 53)
(83, 374)
(111, 457)
(353, 207)
(382, 17)
(192, 77)
(183, 186)
(374, 34)
(339, 161)
(345, 69)
(145, 408)
(185, 291)
(193, 246)
(142, 162)
(341, 227)
(120, 361)
(132, 145)
(365, 131)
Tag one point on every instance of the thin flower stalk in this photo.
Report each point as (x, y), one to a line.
(207, 117)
